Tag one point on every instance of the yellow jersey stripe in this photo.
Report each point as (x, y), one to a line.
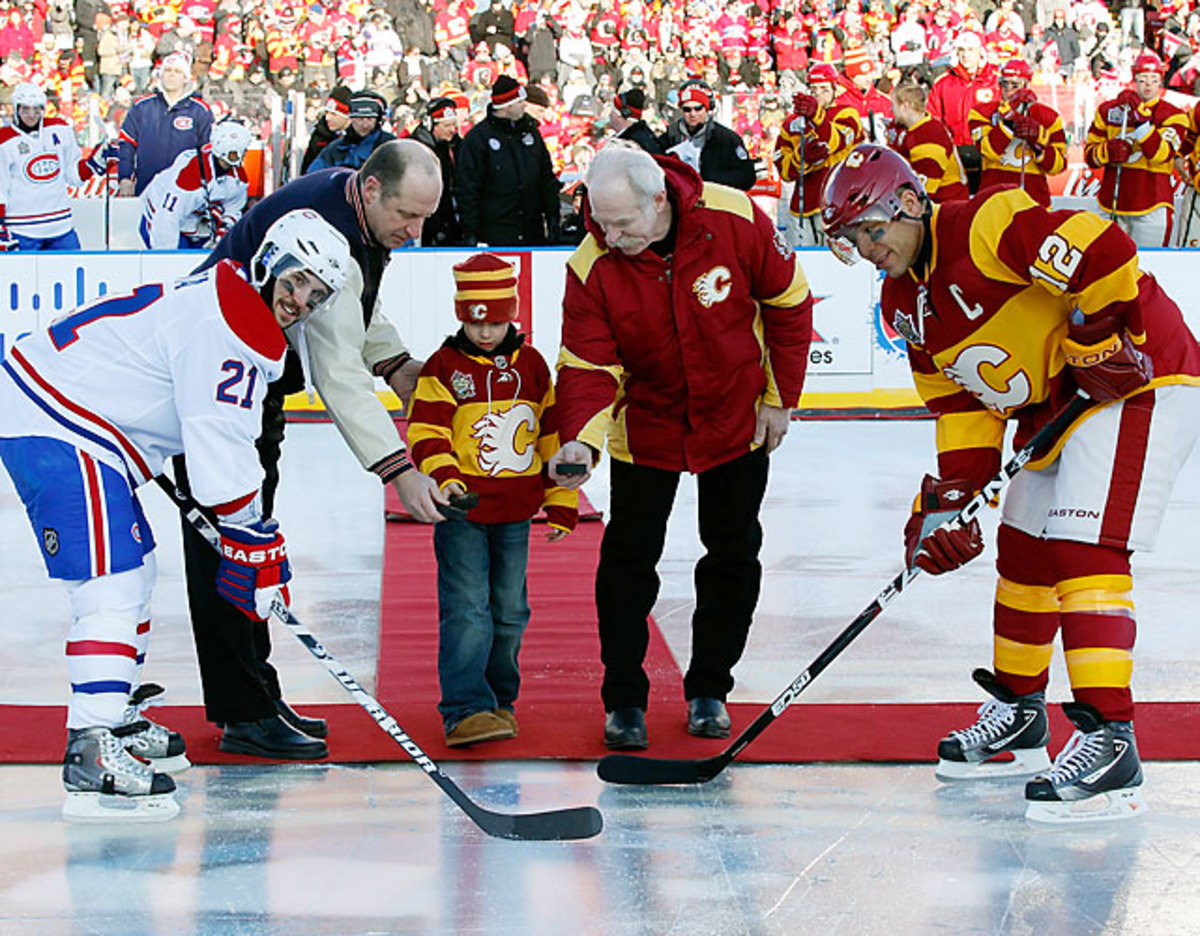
(1020, 659)
(723, 198)
(972, 429)
(1099, 668)
(585, 256)
(1031, 599)
(567, 358)
(796, 291)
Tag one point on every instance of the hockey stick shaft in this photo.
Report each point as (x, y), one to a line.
(625, 768)
(556, 825)
(1120, 166)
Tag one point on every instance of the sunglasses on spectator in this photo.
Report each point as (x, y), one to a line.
(692, 108)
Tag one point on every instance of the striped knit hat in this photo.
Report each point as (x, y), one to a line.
(506, 90)
(857, 62)
(487, 289)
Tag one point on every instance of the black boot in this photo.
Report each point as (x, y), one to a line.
(625, 729)
(271, 737)
(313, 727)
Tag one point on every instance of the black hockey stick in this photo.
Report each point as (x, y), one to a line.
(626, 768)
(577, 822)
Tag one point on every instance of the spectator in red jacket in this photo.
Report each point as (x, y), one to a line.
(970, 83)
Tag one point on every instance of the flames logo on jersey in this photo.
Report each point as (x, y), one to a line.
(502, 444)
(42, 168)
(967, 370)
(478, 311)
(713, 287)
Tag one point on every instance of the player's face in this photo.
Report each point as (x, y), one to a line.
(30, 116)
(629, 226)
(1010, 86)
(395, 219)
(297, 295)
(823, 92)
(891, 246)
(1148, 85)
(485, 335)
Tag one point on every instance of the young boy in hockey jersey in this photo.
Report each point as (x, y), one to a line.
(90, 409)
(482, 421)
(1044, 304)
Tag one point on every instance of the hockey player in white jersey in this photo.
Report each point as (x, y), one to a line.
(196, 199)
(90, 409)
(39, 158)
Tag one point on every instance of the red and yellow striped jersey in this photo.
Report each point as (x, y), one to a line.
(1157, 131)
(487, 422)
(928, 147)
(985, 319)
(839, 128)
(1010, 161)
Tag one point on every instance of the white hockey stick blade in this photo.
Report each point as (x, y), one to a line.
(1113, 806)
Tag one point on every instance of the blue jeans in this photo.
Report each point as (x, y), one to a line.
(482, 612)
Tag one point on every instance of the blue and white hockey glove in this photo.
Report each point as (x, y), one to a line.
(254, 567)
(100, 156)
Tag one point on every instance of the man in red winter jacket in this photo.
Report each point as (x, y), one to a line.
(972, 82)
(686, 327)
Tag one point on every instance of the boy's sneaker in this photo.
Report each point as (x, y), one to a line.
(1097, 776)
(164, 749)
(105, 783)
(1008, 724)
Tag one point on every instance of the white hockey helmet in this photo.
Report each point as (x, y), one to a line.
(303, 240)
(27, 94)
(230, 140)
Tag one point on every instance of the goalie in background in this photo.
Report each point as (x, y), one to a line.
(483, 421)
(1044, 304)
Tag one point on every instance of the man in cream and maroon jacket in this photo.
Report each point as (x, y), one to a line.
(686, 327)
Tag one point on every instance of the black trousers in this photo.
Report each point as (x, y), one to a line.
(727, 576)
(237, 678)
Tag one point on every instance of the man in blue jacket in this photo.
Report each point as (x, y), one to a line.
(160, 126)
(364, 135)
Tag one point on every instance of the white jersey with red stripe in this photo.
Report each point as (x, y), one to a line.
(35, 170)
(193, 199)
(169, 368)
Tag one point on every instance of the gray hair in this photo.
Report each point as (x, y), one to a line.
(622, 159)
(392, 161)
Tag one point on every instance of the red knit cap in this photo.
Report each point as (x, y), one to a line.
(857, 62)
(696, 92)
(487, 289)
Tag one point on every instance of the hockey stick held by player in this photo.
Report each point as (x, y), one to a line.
(1044, 305)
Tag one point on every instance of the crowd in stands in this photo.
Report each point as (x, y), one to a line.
(94, 58)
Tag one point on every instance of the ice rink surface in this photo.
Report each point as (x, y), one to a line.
(822, 849)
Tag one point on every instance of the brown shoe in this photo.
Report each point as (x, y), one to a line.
(506, 716)
(482, 726)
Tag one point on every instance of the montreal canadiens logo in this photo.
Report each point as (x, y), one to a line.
(42, 168)
(182, 122)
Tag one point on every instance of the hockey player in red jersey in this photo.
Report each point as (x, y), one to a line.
(1021, 141)
(926, 143)
(814, 137)
(90, 409)
(1044, 304)
(1135, 139)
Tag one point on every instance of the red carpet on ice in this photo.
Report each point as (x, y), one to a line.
(559, 708)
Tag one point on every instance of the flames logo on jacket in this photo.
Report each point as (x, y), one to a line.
(498, 434)
(713, 287)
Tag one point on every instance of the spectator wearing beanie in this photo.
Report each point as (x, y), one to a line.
(626, 119)
(859, 91)
(712, 149)
(507, 190)
(439, 131)
(331, 124)
(364, 135)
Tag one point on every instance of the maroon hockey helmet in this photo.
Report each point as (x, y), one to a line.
(866, 186)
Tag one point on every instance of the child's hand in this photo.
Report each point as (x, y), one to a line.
(554, 534)
(454, 489)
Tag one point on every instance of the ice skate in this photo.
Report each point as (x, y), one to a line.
(105, 783)
(1096, 777)
(1008, 724)
(162, 748)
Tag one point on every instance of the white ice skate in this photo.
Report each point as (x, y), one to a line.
(163, 749)
(1097, 777)
(1009, 726)
(105, 783)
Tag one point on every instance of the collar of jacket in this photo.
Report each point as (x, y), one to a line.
(354, 196)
